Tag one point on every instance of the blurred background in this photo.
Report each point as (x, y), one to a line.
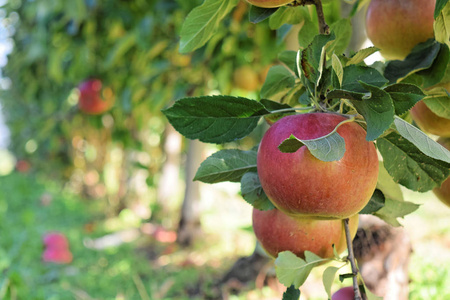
(118, 184)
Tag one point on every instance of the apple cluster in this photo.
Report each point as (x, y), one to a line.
(396, 37)
(56, 248)
(311, 196)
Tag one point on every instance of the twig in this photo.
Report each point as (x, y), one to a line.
(351, 258)
(323, 26)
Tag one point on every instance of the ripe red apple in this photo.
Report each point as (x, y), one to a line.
(430, 122)
(345, 293)
(94, 99)
(55, 240)
(59, 256)
(443, 192)
(299, 184)
(396, 26)
(279, 232)
(269, 3)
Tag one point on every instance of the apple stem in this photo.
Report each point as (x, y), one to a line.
(351, 258)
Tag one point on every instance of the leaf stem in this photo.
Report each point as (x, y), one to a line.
(351, 258)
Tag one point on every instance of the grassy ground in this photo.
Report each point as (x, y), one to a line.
(116, 260)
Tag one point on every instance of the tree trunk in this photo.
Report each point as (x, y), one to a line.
(189, 226)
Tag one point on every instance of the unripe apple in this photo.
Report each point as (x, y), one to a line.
(246, 78)
(396, 26)
(269, 3)
(279, 232)
(430, 122)
(300, 184)
(55, 240)
(94, 99)
(443, 192)
(345, 293)
(59, 256)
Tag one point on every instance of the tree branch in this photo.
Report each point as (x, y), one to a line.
(351, 258)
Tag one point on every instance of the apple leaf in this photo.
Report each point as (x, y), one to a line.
(291, 293)
(279, 79)
(377, 109)
(394, 209)
(259, 14)
(287, 15)
(409, 166)
(328, 278)
(439, 6)
(387, 185)
(364, 290)
(307, 33)
(289, 58)
(226, 165)
(215, 119)
(311, 57)
(361, 55)
(202, 22)
(404, 96)
(442, 23)
(421, 140)
(345, 94)
(436, 72)
(337, 69)
(273, 106)
(439, 104)
(292, 270)
(376, 202)
(253, 193)
(354, 73)
(420, 58)
(343, 32)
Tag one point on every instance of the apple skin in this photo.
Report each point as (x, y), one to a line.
(396, 26)
(430, 122)
(301, 185)
(59, 256)
(345, 293)
(269, 3)
(94, 99)
(55, 240)
(279, 232)
(443, 192)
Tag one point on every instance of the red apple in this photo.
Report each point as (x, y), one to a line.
(56, 240)
(57, 256)
(345, 293)
(299, 184)
(396, 26)
(443, 192)
(93, 98)
(23, 166)
(428, 121)
(279, 232)
(269, 3)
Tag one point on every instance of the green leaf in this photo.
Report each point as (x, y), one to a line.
(376, 202)
(289, 58)
(328, 278)
(279, 79)
(287, 15)
(395, 209)
(202, 22)
(259, 14)
(253, 193)
(345, 95)
(361, 55)
(291, 293)
(337, 68)
(377, 109)
(327, 148)
(439, 104)
(310, 57)
(120, 48)
(343, 32)
(353, 74)
(409, 166)
(226, 165)
(292, 270)
(421, 140)
(215, 119)
(307, 33)
(442, 24)
(421, 57)
(439, 6)
(404, 96)
(436, 72)
(387, 185)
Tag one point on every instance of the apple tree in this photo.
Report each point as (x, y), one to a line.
(342, 137)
